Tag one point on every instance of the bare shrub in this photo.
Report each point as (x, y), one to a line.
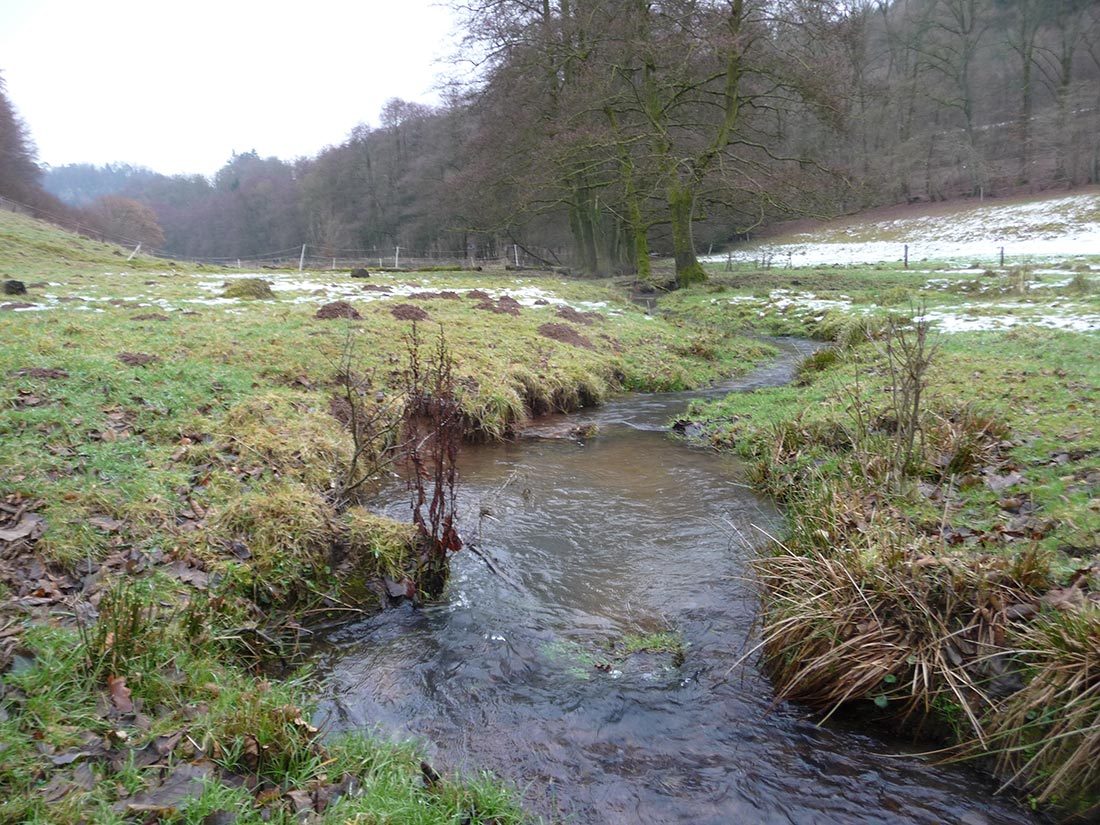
(432, 435)
(908, 355)
(370, 416)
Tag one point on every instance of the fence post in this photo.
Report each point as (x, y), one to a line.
(397, 257)
(515, 251)
(907, 256)
(137, 249)
(302, 258)
(1002, 257)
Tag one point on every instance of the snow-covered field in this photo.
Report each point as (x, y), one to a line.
(1036, 231)
(1051, 249)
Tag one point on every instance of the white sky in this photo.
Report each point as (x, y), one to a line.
(178, 87)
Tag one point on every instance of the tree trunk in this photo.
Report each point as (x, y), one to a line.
(681, 204)
(639, 242)
(581, 225)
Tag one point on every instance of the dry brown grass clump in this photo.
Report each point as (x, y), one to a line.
(1047, 735)
(916, 638)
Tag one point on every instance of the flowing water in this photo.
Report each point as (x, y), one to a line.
(624, 533)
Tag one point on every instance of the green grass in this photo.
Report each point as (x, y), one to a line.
(242, 728)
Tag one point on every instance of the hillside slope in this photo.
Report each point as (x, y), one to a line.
(1029, 231)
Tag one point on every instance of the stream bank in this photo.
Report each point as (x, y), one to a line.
(613, 533)
(959, 598)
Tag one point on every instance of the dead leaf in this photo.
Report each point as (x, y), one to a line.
(27, 399)
(1064, 598)
(68, 757)
(185, 573)
(184, 782)
(156, 751)
(251, 755)
(430, 775)
(997, 483)
(30, 526)
(300, 801)
(120, 694)
(105, 523)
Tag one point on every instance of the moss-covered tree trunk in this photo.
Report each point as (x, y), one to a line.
(681, 204)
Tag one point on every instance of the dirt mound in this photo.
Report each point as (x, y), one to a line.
(150, 316)
(567, 313)
(338, 309)
(16, 305)
(408, 312)
(41, 372)
(566, 334)
(137, 359)
(478, 294)
(377, 288)
(504, 306)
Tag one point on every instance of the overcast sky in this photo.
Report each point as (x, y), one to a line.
(178, 87)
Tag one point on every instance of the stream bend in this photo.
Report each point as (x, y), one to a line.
(623, 534)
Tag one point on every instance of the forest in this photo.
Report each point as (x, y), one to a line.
(599, 134)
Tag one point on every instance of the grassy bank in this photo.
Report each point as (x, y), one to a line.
(948, 583)
(174, 512)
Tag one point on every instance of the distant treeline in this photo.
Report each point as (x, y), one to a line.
(600, 132)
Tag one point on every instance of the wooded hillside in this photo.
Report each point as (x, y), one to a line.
(600, 132)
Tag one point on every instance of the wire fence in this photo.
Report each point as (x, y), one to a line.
(312, 256)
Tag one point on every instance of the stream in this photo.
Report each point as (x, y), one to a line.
(621, 534)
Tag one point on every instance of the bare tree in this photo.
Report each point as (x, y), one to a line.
(124, 220)
(960, 25)
(20, 177)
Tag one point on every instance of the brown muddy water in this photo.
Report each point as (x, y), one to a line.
(623, 533)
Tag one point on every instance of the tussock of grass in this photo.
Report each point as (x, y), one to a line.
(918, 634)
(1047, 735)
(288, 530)
(290, 436)
(847, 331)
(380, 544)
(249, 288)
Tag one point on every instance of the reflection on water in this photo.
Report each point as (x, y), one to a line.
(629, 532)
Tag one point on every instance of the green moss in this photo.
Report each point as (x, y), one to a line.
(249, 288)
